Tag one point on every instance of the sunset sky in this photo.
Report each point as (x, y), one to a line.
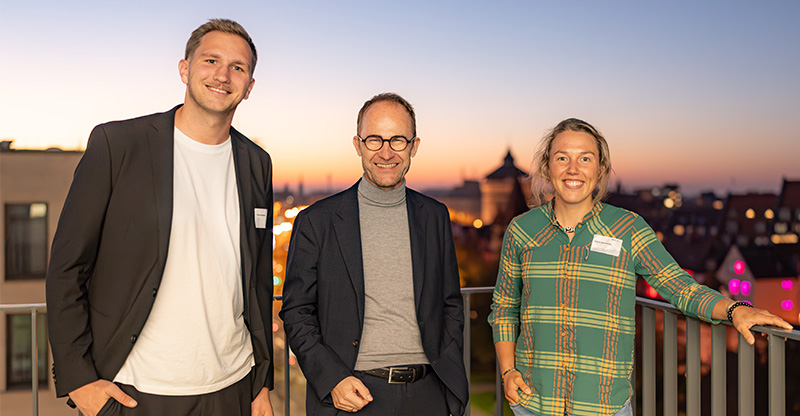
(704, 94)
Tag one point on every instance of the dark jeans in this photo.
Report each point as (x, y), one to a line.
(230, 401)
(424, 397)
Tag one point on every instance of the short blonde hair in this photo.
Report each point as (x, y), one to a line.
(222, 25)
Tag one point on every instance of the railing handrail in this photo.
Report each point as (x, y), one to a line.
(5, 307)
(35, 308)
(792, 334)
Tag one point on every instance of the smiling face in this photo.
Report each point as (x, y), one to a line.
(386, 168)
(574, 169)
(218, 76)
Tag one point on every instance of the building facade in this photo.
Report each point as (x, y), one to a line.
(33, 187)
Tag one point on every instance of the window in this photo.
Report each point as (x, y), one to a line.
(19, 349)
(26, 241)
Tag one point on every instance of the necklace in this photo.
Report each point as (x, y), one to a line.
(568, 230)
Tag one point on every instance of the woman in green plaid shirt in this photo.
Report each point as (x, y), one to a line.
(564, 304)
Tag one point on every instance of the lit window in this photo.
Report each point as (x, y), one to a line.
(750, 213)
(669, 203)
(781, 228)
(738, 267)
(769, 214)
(744, 287)
(787, 284)
(718, 205)
(678, 230)
(733, 286)
(26, 241)
(787, 305)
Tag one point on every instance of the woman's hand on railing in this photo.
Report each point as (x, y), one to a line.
(745, 318)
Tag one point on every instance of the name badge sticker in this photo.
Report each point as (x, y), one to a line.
(606, 245)
(261, 218)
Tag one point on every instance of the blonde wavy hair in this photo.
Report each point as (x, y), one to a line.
(541, 187)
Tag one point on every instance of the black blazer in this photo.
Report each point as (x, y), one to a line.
(110, 249)
(323, 306)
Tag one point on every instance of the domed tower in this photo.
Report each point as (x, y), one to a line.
(498, 187)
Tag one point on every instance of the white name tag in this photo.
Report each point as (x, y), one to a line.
(606, 245)
(261, 218)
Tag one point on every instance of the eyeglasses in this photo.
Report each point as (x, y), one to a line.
(396, 143)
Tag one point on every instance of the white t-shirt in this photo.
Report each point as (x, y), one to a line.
(195, 340)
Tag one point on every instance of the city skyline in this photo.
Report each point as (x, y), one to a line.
(701, 95)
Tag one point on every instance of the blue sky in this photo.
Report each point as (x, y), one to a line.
(706, 95)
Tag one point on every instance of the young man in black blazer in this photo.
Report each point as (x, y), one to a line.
(372, 304)
(159, 288)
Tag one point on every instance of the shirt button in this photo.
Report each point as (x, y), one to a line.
(355, 343)
(134, 338)
(154, 292)
(563, 305)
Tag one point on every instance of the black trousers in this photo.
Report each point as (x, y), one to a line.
(424, 397)
(230, 401)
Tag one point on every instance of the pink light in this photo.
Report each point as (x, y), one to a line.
(745, 287)
(787, 284)
(738, 267)
(733, 286)
(787, 305)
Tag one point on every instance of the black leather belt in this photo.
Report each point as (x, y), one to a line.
(401, 374)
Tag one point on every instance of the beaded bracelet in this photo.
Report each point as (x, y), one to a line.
(503, 377)
(734, 306)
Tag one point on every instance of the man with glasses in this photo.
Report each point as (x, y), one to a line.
(372, 305)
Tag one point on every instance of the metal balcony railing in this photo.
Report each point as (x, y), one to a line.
(746, 359)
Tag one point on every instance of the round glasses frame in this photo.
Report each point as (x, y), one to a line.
(396, 143)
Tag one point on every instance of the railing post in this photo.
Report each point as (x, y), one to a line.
(467, 343)
(777, 380)
(670, 364)
(648, 361)
(35, 360)
(498, 391)
(719, 354)
(692, 367)
(746, 378)
(286, 377)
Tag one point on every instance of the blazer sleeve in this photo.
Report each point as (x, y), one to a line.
(72, 260)
(453, 301)
(264, 288)
(322, 366)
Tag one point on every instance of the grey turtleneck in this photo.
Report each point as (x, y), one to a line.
(391, 334)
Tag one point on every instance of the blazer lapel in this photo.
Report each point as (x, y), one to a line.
(161, 140)
(348, 235)
(417, 218)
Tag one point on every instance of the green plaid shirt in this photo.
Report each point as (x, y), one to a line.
(570, 308)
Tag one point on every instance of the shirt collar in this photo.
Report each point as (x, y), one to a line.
(548, 210)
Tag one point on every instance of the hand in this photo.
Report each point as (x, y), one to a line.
(90, 398)
(261, 405)
(513, 382)
(744, 318)
(350, 395)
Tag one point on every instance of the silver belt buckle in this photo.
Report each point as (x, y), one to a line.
(391, 373)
